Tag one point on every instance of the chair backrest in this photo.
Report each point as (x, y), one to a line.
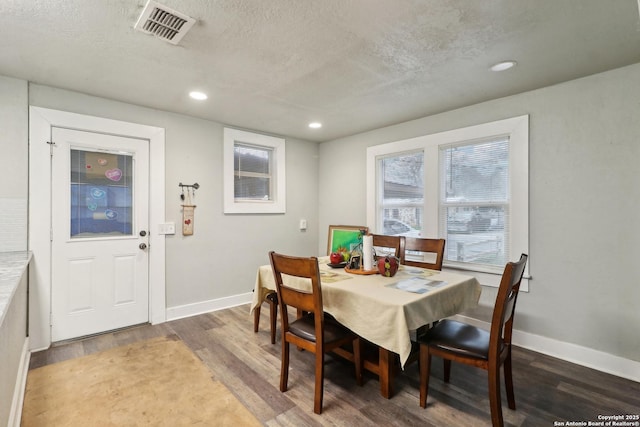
(395, 243)
(503, 312)
(309, 300)
(425, 246)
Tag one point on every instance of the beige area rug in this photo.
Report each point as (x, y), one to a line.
(158, 382)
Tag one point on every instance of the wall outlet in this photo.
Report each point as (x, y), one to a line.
(167, 228)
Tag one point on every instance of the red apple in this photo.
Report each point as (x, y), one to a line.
(335, 257)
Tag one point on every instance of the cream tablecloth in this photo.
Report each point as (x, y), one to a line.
(373, 308)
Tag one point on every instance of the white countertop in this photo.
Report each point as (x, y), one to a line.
(12, 267)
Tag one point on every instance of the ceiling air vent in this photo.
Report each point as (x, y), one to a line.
(163, 22)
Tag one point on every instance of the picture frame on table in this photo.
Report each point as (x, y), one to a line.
(354, 262)
(345, 237)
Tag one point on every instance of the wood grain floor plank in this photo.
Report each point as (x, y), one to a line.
(99, 343)
(341, 385)
(607, 385)
(57, 354)
(546, 389)
(605, 401)
(294, 417)
(264, 406)
(192, 330)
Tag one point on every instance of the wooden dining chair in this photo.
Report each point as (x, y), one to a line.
(463, 343)
(272, 299)
(313, 331)
(425, 246)
(395, 243)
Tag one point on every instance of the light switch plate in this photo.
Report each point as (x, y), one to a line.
(167, 228)
(303, 224)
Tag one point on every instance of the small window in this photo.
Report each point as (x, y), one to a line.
(254, 173)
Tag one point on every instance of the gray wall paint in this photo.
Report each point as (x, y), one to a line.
(222, 257)
(584, 200)
(14, 116)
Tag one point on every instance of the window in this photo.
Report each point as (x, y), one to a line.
(474, 201)
(101, 194)
(401, 193)
(469, 186)
(254, 173)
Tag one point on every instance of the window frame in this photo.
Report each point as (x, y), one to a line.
(517, 129)
(277, 145)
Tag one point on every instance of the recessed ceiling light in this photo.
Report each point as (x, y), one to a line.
(315, 125)
(504, 65)
(200, 96)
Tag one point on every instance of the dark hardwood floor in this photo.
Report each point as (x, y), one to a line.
(547, 390)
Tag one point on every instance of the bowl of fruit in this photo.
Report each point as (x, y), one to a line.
(338, 259)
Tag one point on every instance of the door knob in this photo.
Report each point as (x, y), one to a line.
(143, 246)
(143, 233)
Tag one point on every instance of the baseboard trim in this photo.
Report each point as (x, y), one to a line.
(188, 310)
(573, 353)
(15, 416)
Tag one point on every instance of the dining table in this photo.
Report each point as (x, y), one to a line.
(386, 311)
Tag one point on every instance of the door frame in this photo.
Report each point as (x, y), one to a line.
(41, 121)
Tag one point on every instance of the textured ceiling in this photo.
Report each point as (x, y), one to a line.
(354, 65)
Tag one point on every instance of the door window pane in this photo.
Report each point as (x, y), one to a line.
(101, 194)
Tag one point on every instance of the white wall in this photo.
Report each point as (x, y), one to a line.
(221, 259)
(13, 164)
(584, 204)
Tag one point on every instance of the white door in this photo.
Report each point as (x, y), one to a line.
(100, 216)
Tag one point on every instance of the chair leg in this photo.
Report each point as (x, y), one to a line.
(425, 367)
(447, 370)
(273, 312)
(357, 359)
(508, 382)
(299, 314)
(494, 396)
(319, 387)
(256, 318)
(284, 367)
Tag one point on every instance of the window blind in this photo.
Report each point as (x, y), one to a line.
(253, 172)
(474, 201)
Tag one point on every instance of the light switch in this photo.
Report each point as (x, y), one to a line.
(303, 224)
(167, 228)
